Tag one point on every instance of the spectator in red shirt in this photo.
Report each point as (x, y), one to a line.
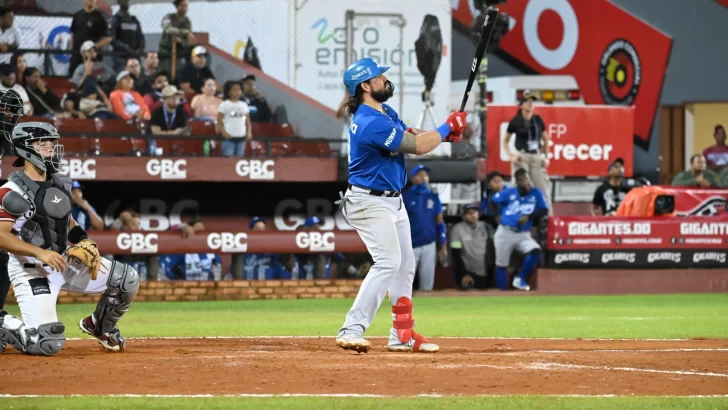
(126, 102)
(717, 155)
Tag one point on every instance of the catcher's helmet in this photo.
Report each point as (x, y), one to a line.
(46, 157)
(11, 109)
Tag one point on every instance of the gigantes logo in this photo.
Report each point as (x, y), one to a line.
(228, 242)
(572, 257)
(167, 168)
(628, 257)
(653, 257)
(79, 168)
(316, 241)
(138, 242)
(709, 256)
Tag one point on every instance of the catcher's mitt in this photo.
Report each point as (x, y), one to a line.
(87, 253)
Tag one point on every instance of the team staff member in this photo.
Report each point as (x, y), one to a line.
(428, 227)
(518, 208)
(532, 145)
(610, 194)
(468, 240)
(373, 205)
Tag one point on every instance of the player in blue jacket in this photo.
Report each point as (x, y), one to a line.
(427, 224)
(378, 142)
(517, 208)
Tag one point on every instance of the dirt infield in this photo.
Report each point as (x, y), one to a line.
(317, 366)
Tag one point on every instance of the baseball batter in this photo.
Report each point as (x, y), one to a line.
(518, 208)
(35, 227)
(373, 204)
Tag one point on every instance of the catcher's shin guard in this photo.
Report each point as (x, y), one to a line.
(115, 301)
(403, 323)
(47, 340)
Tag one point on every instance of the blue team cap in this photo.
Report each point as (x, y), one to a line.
(75, 185)
(311, 221)
(468, 207)
(419, 168)
(254, 221)
(362, 70)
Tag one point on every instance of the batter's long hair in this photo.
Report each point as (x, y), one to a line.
(355, 101)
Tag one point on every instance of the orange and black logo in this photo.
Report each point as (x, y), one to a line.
(620, 73)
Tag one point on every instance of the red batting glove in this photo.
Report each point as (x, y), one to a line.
(410, 131)
(453, 137)
(457, 122)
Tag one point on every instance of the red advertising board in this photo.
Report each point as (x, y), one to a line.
(584, 232)
(584, 139)
(176, 169)
(615, 57)
(699, 202)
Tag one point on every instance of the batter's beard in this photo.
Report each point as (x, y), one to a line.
(383, 95)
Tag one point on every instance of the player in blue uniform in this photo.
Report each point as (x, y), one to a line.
(427, 224)
(378, 142)
(518, 208)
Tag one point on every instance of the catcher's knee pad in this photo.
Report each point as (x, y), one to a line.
(115, 301)
(47, 340)
(402, 319)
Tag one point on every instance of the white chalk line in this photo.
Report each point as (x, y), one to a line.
(343, 395)
(384, 337)
(552, 366)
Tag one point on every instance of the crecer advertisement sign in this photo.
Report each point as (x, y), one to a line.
(321, 45)
(584, 139)
(615, 57)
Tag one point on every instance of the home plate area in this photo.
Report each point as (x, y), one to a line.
(315, 366)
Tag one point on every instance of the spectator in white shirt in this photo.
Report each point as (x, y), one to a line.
(9, 35)
(233, 121)
(8, 82)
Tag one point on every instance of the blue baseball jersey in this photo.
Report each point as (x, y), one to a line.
(190, 266)
(266, 266)
(513, 206)
(422, 206)
(81, 217)
(374, 137)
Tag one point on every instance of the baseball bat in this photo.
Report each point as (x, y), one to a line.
(486, 33)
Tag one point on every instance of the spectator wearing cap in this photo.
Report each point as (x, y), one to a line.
(170, 118)
(126, 36)
(532, 145)
(88, 25)
(468, 244)
(427, 226)
(126, 102)
(716, 156)
(610, 194)
(94, 103)
(193, 74)
(8, 82)
(44, 101)
(697, 176)
(83, 213)
(259, 108)
(176, 28)
(9, 35)
(92, 69)
(154, 99)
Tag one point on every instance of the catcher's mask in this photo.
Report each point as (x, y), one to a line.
(11, 109)
(37, 142)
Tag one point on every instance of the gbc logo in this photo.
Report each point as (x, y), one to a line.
(138, 242)
(256, 169)
(167, 168)
(316, 241)
(79, 168)
(228, 242)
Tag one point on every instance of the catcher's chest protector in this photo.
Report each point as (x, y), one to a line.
(51, 201)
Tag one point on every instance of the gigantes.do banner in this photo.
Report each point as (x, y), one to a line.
(613, 242)
(615, 57)
(195, 169)
(584, 139)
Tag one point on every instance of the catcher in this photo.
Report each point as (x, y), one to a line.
(35, 229)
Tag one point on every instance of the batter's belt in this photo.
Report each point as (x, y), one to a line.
(375, 192)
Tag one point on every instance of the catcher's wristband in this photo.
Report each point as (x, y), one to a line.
(77, 234)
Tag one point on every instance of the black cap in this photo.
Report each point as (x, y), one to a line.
(249, 77)
(469, 207)
(527, 96)
(492, 175)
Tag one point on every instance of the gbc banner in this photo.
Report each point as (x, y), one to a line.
(615, 57)
(195, 169)
(321, 43)
(584, 139)
(125, 243)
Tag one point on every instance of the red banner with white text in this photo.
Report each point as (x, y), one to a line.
(615, 57)
(584, 139)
